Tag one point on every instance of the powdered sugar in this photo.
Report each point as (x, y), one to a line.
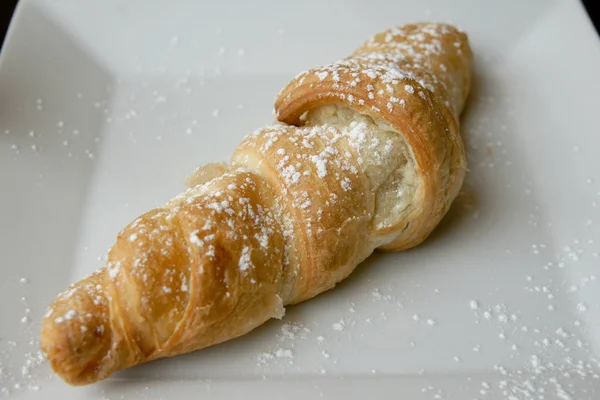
(113, 269)
(322, 74)
(321, 165)
(194, 239)
(245, 261)
(339, 326)
(284, 353)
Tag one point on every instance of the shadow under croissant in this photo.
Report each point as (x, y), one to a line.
(468, 201)
(462, 210)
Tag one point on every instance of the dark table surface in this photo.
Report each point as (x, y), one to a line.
(7, 7)
(6, 10)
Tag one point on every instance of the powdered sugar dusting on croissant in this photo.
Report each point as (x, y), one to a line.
(367, 155)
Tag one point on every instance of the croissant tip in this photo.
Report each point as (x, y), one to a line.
(73, 350)
(75, 336)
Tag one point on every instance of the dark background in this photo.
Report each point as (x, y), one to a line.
(7, 7)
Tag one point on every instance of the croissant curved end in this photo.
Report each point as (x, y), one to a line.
(74, 349)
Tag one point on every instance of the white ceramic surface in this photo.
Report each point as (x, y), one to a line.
(106, 106)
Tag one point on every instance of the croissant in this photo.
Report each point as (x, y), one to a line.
(366, 155)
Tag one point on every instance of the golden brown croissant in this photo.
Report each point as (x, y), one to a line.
(367, 155)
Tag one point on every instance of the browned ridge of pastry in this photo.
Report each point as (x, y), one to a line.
(367, 155)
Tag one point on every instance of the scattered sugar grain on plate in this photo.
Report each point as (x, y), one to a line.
(376, 294)
(284, 353)
(264, 357)
(339, 326)
(293, 331)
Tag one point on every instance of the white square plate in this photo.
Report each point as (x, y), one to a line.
(106, 107)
